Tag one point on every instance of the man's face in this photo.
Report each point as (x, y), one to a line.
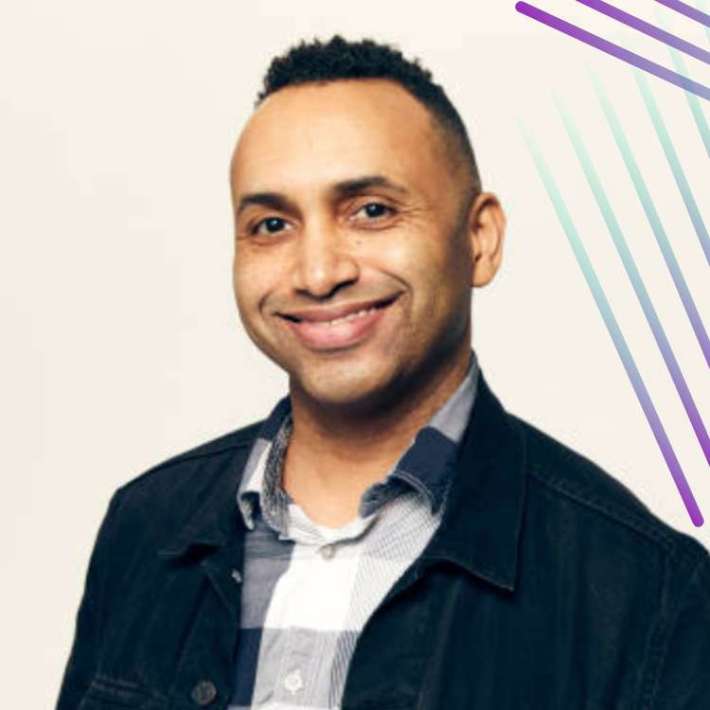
(344, 197)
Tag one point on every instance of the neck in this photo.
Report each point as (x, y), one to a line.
(335, 453)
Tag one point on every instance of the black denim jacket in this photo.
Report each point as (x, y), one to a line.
(547, 586)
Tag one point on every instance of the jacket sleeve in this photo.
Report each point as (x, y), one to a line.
(84, 652)
(684, 681)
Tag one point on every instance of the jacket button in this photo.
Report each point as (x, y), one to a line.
(204, 692)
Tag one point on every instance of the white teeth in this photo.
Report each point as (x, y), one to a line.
(351, 316)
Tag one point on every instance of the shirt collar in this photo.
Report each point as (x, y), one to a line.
(482, 521)
(426, 466)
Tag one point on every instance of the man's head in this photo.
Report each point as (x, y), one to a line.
(354, 184)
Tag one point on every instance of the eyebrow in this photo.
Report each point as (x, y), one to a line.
(355, 186)
(344, 188)
(272, 200)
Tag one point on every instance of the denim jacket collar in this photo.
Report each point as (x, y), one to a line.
(482, 521)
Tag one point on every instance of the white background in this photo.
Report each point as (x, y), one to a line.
(121, 342)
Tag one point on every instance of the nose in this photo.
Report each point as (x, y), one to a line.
(323, 262)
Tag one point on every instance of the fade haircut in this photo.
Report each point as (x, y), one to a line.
(339, 59)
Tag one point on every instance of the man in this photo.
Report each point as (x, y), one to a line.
(389, 537)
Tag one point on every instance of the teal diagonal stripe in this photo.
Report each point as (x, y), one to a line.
(637, 283)
(695, 108)
(675, 165)
(654, 220)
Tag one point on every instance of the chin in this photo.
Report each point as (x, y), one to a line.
(335, 391)
(344, 385)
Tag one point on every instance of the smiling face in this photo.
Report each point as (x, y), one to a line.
(347, 209)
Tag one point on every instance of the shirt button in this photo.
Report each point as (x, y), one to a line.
(204, 692)
(293, 682)
(327, 551)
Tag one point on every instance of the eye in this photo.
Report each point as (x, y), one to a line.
(374, 210)
(270, 225)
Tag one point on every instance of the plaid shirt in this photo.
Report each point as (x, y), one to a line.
(309, 589)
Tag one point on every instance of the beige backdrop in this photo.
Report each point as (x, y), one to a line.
(121, 341)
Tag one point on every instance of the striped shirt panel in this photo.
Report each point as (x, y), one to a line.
(309, 589)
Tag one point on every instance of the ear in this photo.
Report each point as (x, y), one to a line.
(486, 229)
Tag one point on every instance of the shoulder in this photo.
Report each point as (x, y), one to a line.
(590, 544)
(565, 485)
(197, 460)
(167, 494)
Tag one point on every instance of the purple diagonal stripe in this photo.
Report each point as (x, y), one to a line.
(688, 10)
(648, 29)
(613, 49)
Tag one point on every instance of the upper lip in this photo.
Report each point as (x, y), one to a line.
(317, 315)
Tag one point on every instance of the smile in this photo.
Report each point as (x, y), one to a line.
(317, 332)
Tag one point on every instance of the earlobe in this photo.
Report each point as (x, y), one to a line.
(487, 224)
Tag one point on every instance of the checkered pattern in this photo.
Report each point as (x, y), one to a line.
(309, 589)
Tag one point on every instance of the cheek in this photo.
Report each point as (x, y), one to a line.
(410, 253)
(423, 260)
(253, 265)
(250, 282)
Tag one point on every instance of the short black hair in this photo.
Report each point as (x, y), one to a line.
(338, 59)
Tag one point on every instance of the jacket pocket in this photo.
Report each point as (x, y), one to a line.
(106, 693)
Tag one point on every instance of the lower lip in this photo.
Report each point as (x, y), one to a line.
(321, 336)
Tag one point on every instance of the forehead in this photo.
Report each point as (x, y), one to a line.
(318, 133)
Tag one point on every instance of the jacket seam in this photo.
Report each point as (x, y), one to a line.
(626, 517)
(187, 457)
(665, 637)
(654, 652)
(657, 648)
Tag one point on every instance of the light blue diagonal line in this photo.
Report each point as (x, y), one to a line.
(617, 336)
(693, 103)
(704, 7)
(674, 162)
(654, 220)
(637, 283)
(695, 107)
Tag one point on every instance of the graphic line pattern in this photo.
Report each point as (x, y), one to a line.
(637, 283)
(674, 162)
(647, 28)
(655, 221)
(614, 50)
(616, 334)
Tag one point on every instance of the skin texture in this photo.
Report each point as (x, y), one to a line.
(345, 192)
